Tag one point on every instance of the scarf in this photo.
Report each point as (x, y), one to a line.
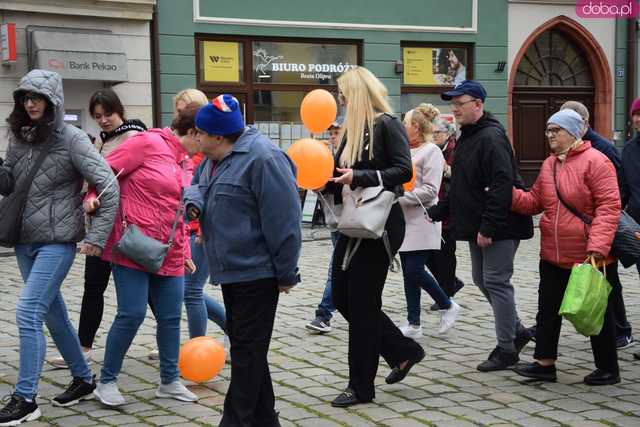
(562, 156)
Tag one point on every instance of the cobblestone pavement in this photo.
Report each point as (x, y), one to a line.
(310, 370)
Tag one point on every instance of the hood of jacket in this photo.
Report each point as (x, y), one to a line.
(126, 126)
(47, 84)
(172, 141)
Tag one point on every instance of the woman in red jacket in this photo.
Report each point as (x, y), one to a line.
(586, 181)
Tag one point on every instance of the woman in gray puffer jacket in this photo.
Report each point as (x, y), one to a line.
(52, 224)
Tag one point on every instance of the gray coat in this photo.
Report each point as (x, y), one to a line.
(53, 211)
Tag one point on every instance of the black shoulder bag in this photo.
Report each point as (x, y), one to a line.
(12, 206)
(626, 244)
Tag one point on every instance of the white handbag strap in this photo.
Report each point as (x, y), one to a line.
(379, 178)
(324, 202)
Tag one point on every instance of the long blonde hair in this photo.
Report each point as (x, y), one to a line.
(366, 98)
(423, 116)
(188, 96)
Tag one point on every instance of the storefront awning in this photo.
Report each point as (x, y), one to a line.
(78, 55)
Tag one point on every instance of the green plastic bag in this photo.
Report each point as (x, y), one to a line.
(585, 300)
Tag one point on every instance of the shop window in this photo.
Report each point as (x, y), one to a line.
(221, 61)
(430, 69)
(301, 63)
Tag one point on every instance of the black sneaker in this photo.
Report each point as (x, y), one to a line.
(536, 371)
(434, 307)
(78, 390)
(499, 360)
(319, 325)
(533, 331)
(17, 410)
(624, 341)
(522, 338)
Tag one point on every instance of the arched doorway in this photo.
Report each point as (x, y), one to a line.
(559, 62)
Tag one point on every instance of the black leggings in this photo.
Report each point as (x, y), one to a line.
(357, 294)
(96, 279)
(553, 283)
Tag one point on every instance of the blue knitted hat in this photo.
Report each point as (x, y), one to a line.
(222, 116)
(568, 120)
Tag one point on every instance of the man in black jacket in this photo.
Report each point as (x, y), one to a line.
(479, 210)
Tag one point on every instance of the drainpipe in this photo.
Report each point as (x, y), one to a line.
(155, 68)
(632, 66)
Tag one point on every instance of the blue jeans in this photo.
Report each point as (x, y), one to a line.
(199, 305)
(133, 288)
(416, 277)
(43, 268)
(326, 308)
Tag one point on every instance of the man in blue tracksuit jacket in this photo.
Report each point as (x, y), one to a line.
(246, 197)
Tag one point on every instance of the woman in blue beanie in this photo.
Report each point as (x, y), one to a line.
(579, 178)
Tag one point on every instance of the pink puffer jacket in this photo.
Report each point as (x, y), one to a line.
(156, 167)
(587, 181)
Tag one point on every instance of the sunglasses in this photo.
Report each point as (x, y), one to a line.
(33, 97)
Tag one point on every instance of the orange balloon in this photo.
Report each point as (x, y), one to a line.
(318, 110)
(410, 185)
(314, 163)
(201, 359)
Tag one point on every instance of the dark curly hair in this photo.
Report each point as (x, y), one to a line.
(19, 118)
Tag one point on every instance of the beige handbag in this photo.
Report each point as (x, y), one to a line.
(364, 215)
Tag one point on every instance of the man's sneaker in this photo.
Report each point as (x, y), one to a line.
(17, 410)
(176, 390)
(533, 331)
(108, 394)
(411, 331)
(625, 341)
(434, 307)
(448, 317)
(319, 325)
(523, 336)
(59, 362)
(78, 390)
(154, 355)
(499, 360)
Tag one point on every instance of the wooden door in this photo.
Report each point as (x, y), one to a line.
(531, 110)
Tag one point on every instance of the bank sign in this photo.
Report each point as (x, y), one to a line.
(301, 63)
(110, 67)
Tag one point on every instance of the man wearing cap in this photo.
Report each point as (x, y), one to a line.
(478, 207)
(247, 200)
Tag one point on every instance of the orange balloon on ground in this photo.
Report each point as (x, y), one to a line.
(409, 186)
(314, 163)
(318, 110)
(201, 359)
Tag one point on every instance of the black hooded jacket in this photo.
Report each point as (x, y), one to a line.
(483, 175)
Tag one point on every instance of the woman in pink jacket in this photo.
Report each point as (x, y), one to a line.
(586, 181)
(154, 167)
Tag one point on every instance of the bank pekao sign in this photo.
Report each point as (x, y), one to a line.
(84, 65)
(301, 63)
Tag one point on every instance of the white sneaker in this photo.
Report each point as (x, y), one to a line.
(59, 363)
(154, 354)
(411, 331)
(227, 348)
(448, 317)
(109, 394)
(176, 390)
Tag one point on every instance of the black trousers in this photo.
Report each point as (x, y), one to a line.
(357, 294)
(443, 264)
(250, 311)
(553, 283)
(622, 325)
(96, 279)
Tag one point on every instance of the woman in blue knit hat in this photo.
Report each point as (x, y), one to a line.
(579, 178)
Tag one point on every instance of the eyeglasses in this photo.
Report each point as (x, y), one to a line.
(33, 97)
(458, 104)
(552, 131)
